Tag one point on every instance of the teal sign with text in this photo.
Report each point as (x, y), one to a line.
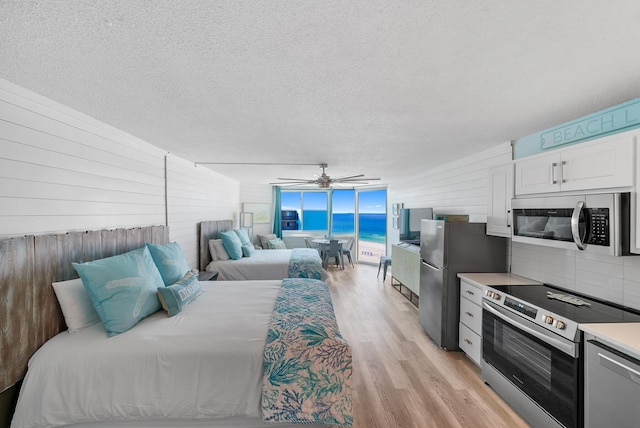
(622, 117)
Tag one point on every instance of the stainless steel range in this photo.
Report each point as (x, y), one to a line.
(532, 347)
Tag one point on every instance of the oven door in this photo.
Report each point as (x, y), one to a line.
(543, 367)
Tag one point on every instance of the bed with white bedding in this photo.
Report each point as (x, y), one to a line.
(201, 367)
(271, 264)
(261, 264)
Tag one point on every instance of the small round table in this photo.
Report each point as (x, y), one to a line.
(326, 241)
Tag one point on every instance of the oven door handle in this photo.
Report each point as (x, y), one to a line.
(567, 346)
(575, 225)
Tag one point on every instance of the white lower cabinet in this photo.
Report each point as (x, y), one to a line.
(471, 344)
(470, 327)
(471, 315)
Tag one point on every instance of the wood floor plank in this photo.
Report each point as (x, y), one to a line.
(401, 378)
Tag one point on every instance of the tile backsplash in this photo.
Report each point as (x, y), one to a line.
(615, 279)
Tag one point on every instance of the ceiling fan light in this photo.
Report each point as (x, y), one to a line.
(324, 181)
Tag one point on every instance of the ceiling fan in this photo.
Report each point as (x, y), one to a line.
(324, 181)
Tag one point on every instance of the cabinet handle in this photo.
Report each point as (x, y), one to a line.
(562, 164)
(469, 292)
(469, 314)
(508, 218)
(619, 368)
(553, 173)
(468, 341)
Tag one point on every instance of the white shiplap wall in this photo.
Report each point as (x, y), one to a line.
(194, 194)
(258, 193)
(458, 187)
(61, 170)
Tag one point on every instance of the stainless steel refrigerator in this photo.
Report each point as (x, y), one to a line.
(446, 249)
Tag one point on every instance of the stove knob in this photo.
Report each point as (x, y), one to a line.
(496, 296)
(560, 325)
(548, 319)
(489, 293)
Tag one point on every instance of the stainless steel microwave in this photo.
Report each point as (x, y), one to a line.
(597, 223)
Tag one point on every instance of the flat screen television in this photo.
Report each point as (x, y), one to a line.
(409, 223)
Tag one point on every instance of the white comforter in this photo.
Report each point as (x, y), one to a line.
(204, 362)
(263, 264)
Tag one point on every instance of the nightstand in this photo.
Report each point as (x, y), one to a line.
(207, 276)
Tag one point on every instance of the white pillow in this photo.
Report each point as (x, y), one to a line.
(217, 250)
(212, 250)
(221, 252)
(76, 306)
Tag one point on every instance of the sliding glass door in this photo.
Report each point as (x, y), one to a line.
(342, 213)
(372, 225)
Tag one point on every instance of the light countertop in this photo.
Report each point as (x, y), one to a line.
(489, 279)
(624, 336)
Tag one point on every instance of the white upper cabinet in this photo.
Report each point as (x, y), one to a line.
(605, 163)
(499, 201)
(602, 165)
(538, 175)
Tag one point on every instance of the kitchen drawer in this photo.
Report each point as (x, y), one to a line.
(471, 292)
(471, 315)
(470, 343)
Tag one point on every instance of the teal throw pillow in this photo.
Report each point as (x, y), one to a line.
(248, 250)
(232, 244)
(243, 235)
(170, 261)
(276, 244)
(122, 288)
(177, 296)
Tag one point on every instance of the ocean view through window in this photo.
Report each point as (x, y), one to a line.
(314, 211)
(343, 207)
(359, 213)
(372, 225)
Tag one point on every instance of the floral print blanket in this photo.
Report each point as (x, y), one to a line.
(305, 263)
(307, 363)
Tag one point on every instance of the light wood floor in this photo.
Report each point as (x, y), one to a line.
(401, 378)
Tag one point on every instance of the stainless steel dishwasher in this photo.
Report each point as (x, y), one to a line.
(611, 387)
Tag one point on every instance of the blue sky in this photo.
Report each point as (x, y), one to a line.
(373, 201)
(290, 201)
(343, 201)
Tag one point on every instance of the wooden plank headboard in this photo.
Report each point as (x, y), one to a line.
(209, 230)
(29, 311)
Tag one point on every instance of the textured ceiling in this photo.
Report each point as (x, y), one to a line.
(376, 87)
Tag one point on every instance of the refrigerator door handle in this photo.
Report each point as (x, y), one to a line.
(430, 265)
